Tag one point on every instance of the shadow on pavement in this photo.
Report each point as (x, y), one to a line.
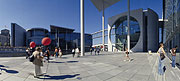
(10, 71)
(63, 57)
(48, 77)
(72, 61)
(3, 66)
(55, 62)
(63, 62)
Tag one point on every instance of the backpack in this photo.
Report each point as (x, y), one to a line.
(31, 58)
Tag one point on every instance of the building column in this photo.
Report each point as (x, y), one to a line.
(110, 49)
(103, 36)
(128, 35)
(82, 26)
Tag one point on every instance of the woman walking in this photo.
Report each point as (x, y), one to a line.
(73, 52)
(27, 53)
(38, 62)
(77, 52)
(161, 56)
(56, 52)
(127, 56)
(47, 54)
(60, 52)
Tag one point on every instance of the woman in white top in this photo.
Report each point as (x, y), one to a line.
(77, 52)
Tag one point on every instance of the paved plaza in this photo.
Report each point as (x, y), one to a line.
(103, 67)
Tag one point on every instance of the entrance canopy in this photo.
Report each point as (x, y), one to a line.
(107, 3)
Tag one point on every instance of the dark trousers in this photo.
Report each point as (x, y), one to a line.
(73, 54)
(27, 55)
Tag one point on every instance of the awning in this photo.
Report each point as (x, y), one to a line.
(107, 3)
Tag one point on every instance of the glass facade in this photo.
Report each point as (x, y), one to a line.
(97, 37)
(68, 41)
(36, 35)
(171, 32)
(121, 32)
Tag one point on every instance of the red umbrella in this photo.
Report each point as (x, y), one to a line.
(46, 41)
(32, 44)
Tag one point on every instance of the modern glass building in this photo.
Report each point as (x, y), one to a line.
(171, 28)
(67, 39)
(121, 32)
(144, 31)
(18, 35)
(62, 37)
(36, 35)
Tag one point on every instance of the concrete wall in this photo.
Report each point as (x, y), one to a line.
(149, 32)
(152, 30)
(17, 35)
(12, 51)
(138, 15)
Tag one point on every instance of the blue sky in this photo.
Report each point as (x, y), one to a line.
(64, 13)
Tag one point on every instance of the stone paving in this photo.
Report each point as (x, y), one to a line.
(104, 67)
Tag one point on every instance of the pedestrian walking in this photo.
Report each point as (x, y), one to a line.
(91, 50)
(173, 53)
(31, 50)
(60, 52)
(56, 52)
(73, 52)
(95, 49)
(47, 54)
(38, 62)
(98, 50)
(127, 58)
(161, 56)
(77, 52)
(27, 53)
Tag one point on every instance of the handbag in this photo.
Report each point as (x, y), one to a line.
(162, 56)
(31, 58)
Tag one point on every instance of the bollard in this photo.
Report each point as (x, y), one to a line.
(149, 52)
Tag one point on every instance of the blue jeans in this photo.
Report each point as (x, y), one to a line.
(173, 61)
(56, 55)
(160, 66)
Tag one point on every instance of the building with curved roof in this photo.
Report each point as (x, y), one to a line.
(144, 31)
(36, 35)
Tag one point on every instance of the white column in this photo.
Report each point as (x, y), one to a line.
(103, 37)
(110, 49)
(82, 26)
(128, 18)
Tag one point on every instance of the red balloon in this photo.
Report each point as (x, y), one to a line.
(46, 41)
(101, 46)
(32, 44)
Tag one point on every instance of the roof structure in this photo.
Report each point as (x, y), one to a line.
(107, 3)
(54, 29)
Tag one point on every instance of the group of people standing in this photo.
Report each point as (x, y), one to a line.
(162, 56)
(75, 51)
(96, 50)
(37, 54)
(57, 52)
